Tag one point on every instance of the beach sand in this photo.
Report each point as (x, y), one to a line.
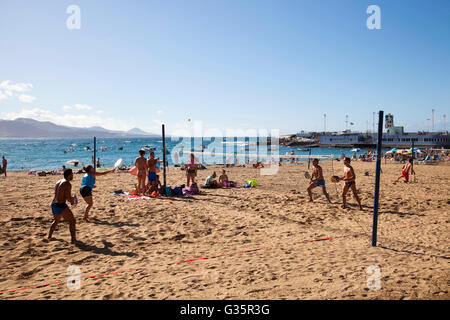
(139, 249)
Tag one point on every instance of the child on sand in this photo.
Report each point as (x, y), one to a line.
(406, 169)
(142, 167)
(317, 180)
(349, 179)
(60, 210)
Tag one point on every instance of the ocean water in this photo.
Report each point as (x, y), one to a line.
(50, 154)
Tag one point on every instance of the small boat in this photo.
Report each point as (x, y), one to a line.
(74, 163)
(119, 148)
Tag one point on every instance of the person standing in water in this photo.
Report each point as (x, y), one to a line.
(60, 210)
(142, 167)
(349, 179)
(317, 180)
(87, 184)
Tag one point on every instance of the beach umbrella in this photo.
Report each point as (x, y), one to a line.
(417, 150)
(404, 151)
(393, 150)
(356, 150)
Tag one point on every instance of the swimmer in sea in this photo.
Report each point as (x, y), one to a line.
(349, 179)
(60, 209)
(317, 180)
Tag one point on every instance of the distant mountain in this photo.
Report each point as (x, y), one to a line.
(29, 128)
(136, 131)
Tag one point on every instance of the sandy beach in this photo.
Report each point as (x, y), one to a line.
(257, 240)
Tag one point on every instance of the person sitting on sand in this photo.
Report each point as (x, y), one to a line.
(210, 182)
(87, 184)
(349, 179)
(406, 169)
(317, 180)
(191, 170)
(223, 179)
(63, 193)
(142, 167)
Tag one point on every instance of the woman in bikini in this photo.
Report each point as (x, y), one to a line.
(87, 184)
(191, 170)
(142, 167)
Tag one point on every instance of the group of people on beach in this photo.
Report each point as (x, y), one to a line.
(147, 168)
(63, 194)
(349, 179)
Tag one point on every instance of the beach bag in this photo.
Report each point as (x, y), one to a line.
(168, 191)
(178, 191)
(252, 182)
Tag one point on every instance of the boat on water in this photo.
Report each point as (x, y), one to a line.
(75, 163)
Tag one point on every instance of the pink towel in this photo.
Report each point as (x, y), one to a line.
(137, 197)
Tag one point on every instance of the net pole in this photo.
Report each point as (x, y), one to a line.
(95, 154)
(377, 179)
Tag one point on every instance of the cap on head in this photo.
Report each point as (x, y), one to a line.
(142, 151)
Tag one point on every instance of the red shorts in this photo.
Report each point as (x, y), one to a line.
(405, 175)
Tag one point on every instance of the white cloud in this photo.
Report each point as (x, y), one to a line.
(82, 107)
(10, 90)
(77, 106)
(26, 98)
(78, 120)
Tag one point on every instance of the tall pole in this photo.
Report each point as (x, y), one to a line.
(95, 154)
(346, 122)
(164, 156)
(377, 179)
(445, 125)
(432, 120)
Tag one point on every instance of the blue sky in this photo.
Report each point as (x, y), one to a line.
(229, 64)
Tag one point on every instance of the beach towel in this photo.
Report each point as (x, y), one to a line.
(193, 189)
(138, 197)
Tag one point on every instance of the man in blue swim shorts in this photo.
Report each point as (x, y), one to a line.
(317, 180)
(60, 209)
(152, 184)
(349, 179)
